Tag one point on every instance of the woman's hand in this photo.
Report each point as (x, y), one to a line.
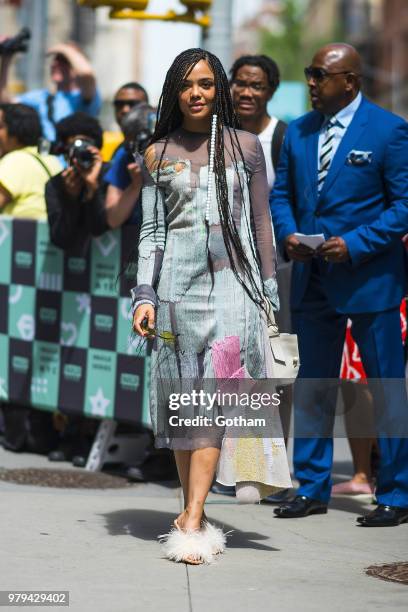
(142, 313)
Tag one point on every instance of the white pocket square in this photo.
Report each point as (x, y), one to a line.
(359, 158)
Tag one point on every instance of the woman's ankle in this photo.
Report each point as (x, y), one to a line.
(195, 509)
(361, 478)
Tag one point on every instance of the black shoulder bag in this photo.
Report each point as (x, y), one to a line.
(277, 140)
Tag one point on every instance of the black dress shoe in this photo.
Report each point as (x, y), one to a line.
(384, 516)
(300, 506)
(277, 498)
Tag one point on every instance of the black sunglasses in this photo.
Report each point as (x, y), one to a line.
(118, 104)
(319, 74)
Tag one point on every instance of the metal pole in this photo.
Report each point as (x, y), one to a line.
(97, 454)
(34, 15)
(83, 27)
(219, 37)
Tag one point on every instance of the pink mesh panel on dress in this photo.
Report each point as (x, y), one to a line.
(226, 357)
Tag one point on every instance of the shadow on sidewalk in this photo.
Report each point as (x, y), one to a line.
(351, 504)
(148, 524)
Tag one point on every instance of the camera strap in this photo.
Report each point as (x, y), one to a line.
(50, 108)
(277, 141)
(40, 161)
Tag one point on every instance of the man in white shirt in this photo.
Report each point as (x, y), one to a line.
(254, 80)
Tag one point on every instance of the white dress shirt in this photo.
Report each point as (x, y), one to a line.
(341, 122)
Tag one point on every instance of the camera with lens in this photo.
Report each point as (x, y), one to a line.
(80, 153)
(138, 127)
(16, 44)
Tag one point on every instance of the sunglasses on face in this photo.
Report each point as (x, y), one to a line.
(254, 87)
(319, 74)
(119, 104)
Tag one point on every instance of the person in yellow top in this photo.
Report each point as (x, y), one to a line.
(23, 171)
(23, 175)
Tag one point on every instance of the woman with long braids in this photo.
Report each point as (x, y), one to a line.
(205, 272)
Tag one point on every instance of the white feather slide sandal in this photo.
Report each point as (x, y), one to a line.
(194, 546)
(187, 546)
(217, 538)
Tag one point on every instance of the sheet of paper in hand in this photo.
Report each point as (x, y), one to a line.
(312, 240)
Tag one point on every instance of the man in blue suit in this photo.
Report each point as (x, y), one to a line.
(343, 172)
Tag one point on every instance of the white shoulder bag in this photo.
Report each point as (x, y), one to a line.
(284, 347)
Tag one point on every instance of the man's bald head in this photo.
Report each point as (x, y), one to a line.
(340, 56)
(334, 77)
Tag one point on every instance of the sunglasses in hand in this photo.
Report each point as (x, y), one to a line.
(166, 336)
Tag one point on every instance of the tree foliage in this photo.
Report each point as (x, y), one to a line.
(289, 46)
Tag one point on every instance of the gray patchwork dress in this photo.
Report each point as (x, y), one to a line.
(216, 331)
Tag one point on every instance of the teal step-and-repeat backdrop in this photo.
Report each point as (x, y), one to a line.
(65, 324)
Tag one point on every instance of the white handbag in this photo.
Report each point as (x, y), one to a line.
(285, 350)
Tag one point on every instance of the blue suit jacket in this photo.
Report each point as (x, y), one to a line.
(365, 204)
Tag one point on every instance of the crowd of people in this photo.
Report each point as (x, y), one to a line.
(201, 176)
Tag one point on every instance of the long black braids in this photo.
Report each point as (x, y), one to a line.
(169, 118)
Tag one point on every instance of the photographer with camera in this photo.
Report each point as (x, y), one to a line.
(73, 83)
(125, 177)
(76, 212)
(76, 197)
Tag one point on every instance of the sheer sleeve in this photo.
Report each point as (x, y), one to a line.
(261, 215)
(152, 238)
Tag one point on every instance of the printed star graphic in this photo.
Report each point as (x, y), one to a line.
(99, 403)
(106, 244)
(83, 303)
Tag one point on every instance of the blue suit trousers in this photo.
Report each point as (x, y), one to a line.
(321, 334)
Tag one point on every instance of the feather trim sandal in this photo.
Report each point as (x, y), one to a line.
(194, 546)
(216, 537)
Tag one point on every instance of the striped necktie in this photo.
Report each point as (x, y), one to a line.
(325, 155)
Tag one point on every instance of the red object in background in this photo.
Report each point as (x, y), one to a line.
(12, 2)
(351, 366)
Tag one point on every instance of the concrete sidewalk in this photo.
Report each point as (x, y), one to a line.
(101, 546)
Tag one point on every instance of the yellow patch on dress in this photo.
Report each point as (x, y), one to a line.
(167, 166)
